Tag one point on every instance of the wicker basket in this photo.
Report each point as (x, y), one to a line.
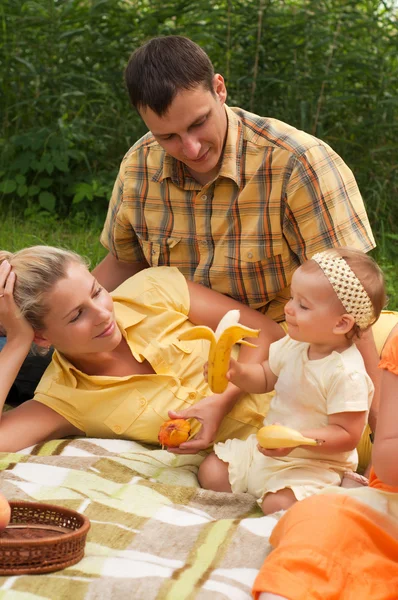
(41, 538)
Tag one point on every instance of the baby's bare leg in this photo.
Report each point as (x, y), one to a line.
(280, 500)
(213, 474)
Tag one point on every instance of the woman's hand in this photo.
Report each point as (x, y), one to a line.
(209, 412)
(11, 319)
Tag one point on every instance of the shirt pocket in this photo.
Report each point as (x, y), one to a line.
(256, 272)
(164, 251)
(128, 411)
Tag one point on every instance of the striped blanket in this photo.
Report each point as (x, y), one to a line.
(155, 534)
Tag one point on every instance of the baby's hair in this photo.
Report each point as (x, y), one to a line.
(369, 274)
(37, 270)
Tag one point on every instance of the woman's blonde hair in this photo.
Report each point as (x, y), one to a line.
(37, 270)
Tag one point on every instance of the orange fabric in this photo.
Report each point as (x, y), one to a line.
(389, 357)
(375, 482)
(332, 548)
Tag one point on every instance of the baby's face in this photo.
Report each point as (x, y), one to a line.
(313, 309)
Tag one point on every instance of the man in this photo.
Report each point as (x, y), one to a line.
(234, 200)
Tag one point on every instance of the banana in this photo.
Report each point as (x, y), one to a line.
(228, 333)
(279, 436)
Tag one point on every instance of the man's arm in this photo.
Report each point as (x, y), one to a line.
(110, 272)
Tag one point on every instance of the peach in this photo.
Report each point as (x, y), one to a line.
(5, 512)
(174, 432)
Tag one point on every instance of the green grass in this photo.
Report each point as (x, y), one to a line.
(82, 236)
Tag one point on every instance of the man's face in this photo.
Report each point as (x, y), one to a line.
(194, 128)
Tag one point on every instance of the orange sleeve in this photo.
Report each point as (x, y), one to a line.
(389, 356)
(376, 483)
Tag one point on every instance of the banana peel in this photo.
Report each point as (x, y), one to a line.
(229, 332)
(279, 436)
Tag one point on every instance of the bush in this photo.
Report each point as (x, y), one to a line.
(328, 67)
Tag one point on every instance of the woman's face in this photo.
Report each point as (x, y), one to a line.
(81, 318)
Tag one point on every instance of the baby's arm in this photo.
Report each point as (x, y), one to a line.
(341, 434)
(252, 378)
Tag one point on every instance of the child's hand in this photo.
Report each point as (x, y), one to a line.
(235, 372)
(12, 322)
(275, 452)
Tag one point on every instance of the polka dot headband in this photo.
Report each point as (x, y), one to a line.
(347, 286)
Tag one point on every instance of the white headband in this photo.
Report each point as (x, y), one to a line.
(347, 286)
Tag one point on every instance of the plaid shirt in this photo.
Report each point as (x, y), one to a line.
(280, 196)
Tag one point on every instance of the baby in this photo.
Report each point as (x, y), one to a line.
(322, 388)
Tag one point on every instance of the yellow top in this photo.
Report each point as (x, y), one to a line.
(280, 196)
(151, 310)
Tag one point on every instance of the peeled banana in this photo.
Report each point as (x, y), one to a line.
(228, 333)
(279, 436)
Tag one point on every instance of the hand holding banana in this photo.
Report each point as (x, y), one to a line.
(278, 441)
(228, 333)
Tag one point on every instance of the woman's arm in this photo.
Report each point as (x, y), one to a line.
(385, 449)
(31, 423)
(207, 307)
(19, 333)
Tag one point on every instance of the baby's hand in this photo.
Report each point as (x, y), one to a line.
(234, 373)
(274, 452)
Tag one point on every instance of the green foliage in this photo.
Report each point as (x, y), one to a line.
(326, 66)
(41, 227)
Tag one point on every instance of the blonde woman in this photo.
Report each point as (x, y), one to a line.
(118, 367)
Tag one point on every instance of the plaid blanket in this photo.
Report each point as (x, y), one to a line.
(155, 534)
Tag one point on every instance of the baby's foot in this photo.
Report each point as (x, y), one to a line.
(352, 480)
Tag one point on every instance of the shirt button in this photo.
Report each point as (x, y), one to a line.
(250, 255)
(204, 197)
(192, 395)
(142, 401)
(153, 251)
(117, 429)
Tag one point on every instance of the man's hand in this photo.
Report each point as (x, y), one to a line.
(209, 412)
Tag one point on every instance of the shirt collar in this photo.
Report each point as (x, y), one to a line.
(233, 150)
(230, 165)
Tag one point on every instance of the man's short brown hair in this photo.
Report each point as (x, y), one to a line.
(164, 66)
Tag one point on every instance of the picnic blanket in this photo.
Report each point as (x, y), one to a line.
(155, 534)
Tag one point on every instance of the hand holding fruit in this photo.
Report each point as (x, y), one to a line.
(228, 333)
(277, 440)
(174, 432)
